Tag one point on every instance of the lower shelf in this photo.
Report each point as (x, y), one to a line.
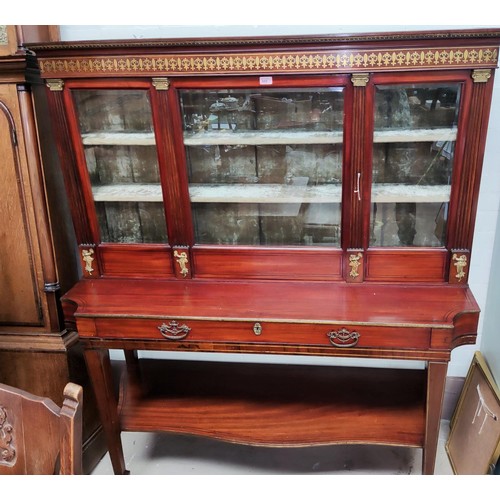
(278, 405)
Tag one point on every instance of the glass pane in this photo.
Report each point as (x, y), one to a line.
(413, 152)
(120, 152)
(265, 166)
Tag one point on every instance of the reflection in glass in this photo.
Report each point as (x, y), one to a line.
(413, 152)
(264, 166)
(121, 159)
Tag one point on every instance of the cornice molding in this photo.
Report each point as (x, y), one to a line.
(271, 40)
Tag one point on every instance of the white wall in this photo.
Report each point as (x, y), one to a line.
(489, 198)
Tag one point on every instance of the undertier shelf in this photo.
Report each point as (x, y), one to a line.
(278, 405)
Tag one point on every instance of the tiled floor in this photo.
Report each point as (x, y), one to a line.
(158, 454)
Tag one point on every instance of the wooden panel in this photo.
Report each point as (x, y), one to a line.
(285, 333)
(267, 263)
(136, 261)
(282, 405)
(406, 265)
(19, 300)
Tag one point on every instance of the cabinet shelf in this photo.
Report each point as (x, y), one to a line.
(262, 138)
(265, 193)
(272, 193)
(401, 193)
(415, 135)
(279, 405)
(119, 139)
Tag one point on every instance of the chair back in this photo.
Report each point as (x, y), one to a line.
(37, 436)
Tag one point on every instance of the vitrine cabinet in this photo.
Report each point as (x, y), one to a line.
(309, 196)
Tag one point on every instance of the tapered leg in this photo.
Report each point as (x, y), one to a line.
(436, 379)
(99, 369)
(134, 385)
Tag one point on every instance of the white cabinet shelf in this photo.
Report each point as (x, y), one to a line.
(265, 193)
(128, 192)
(272, 193)
(257, 138)
(119, 139)
(415, 135)
(400, 193)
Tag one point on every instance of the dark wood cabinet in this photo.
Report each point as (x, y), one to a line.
(309, 196)
(37, 244)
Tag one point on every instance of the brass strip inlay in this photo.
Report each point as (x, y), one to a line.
(286, 349)
(267, 320)
(481, 75)
(344, 60)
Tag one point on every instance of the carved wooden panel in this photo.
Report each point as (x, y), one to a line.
(7, 444)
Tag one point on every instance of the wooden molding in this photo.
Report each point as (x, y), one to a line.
(282, 61)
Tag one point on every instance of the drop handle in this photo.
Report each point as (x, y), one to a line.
(358, 186)
(343, 338)
(174, 331)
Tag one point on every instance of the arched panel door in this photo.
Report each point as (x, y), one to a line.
(19, 299)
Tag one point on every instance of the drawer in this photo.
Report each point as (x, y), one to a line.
(265, 332)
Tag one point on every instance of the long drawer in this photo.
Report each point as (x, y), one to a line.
(264, 332)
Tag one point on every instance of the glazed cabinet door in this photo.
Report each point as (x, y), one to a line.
(265, 166)
(416, 163)
(120, 172)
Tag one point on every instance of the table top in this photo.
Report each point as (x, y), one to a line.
(280, 301)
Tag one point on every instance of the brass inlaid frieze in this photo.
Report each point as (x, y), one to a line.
(305, 61)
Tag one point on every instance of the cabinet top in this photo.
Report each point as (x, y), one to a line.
(390, 51)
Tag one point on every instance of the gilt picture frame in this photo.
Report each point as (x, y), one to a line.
(473, 444)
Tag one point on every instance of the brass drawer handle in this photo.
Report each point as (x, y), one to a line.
(173, 331)
(343, 338)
